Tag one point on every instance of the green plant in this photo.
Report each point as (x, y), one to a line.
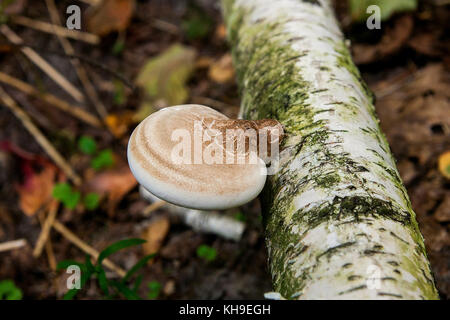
(206, 252)
(240, 216)
(103, 160)
(64, 193)
(87, 145)
(89, 270)
(154, 288)
(9, 291)
(91, 201)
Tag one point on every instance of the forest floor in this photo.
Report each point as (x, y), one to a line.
(406, 64)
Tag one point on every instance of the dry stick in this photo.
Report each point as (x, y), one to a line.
(46, 227)
(55, 29)
(91, 2)
(81, 72)
(41, 63)
(11, 245)
(48, 245)
(69, 235)
(75, 111)
(152, 207)
(40, 138)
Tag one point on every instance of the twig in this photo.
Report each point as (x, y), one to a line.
(91, 2)
(69, 235)
(92, 62)
(55, 29)
(152, 207)
(44, 65)
(48, 245)
(51, 99)
(47, 225)
(40, 138)
(11, 245)
(165, 26)
(81, 72)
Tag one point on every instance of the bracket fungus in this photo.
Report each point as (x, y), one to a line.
(196, 157)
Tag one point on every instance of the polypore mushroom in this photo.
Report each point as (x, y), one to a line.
(193, 156)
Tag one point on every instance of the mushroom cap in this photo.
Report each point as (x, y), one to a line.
(200, 186)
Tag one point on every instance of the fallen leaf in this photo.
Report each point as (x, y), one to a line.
(221, 31)
(15, 7)
(155, 234)
(393, 40)
(222, 70)
(113, 184)
(119, 123)
(442, 213)
(203, 62)
(36, 189)
(164, 77)
(444, 164)
(109, 16)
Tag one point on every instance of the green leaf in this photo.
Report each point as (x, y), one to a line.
(67, 263)
(9, 291)
(103, 160)
(129, 294)
(154, 288)
(206, 252)
(119, 245)
(73, 200)
(119, 93)
(387, 7)
(69, 295)
(240, 217)
(89, 266)
(64, 193)
(137, 283)
(103, 282)
(138, 266)
(61, 191)
(91, 201)
(197, 24)
(118, 47)
(87, 145)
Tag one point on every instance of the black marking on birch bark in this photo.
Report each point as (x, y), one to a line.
(390, 294)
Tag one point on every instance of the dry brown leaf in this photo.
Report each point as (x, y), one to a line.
(113, 184)
(36, 190)
(109, 16)
(203, 62)
(155, 234)
(221, 31)
(16, 7)
(444, 164)
(392, 40)
(442, 213)
(222, 70)
(119, 123)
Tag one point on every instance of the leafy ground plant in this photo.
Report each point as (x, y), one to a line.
(9, 291)
(111, 288)
(154, 288)
(206, 252)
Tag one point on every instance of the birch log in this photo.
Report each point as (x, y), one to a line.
(338, 220)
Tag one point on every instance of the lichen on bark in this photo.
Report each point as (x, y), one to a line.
(336, 208)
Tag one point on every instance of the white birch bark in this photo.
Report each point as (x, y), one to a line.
(339, 223)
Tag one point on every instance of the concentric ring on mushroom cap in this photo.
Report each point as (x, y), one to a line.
(198, 186)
